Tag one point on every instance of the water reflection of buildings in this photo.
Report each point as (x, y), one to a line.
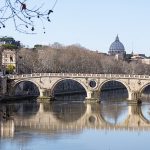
(7, 128)
(72, 118)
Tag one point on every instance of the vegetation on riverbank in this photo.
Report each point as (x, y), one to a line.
(75, 59)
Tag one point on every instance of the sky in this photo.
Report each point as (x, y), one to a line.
(93, 24)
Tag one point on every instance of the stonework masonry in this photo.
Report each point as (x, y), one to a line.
(134, 84)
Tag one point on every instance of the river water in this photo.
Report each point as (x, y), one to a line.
(66, 125)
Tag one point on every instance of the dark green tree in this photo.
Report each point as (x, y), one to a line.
(9, 43)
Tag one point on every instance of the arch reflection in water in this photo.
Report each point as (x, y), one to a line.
(73, 117)
(68, 112)
(114, 113)
(24, 110)
(145, 111)
(69, 90)
(113, 91)
(27, 110)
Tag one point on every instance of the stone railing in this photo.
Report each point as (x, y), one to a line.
(38, 75)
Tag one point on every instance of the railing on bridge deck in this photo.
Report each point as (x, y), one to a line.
(37, 75)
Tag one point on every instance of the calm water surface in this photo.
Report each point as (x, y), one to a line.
(74, 125)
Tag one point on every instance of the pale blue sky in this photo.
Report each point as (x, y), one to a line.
(94, 24)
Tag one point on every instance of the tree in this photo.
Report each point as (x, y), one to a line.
(9, 43)
(74, 59)
(10, 69)
(23, 15)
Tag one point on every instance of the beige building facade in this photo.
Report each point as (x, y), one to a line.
(9, 57)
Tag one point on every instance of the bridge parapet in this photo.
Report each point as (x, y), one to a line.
(125, 76)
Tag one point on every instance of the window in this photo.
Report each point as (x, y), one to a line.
(11, 59)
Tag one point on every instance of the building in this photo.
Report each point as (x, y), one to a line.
(137, 57)
(8, 57)
(117, 49)
(141, 58)
(146, 61)
(8, 54)
(8, 60)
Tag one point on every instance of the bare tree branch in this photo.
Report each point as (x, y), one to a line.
(23, 16)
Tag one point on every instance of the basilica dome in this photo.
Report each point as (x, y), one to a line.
(116, 47)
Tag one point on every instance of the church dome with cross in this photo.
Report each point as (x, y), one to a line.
(116, 47)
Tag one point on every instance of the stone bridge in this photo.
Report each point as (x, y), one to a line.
(92, 83)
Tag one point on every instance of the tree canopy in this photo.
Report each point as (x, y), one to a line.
(9, 43)
(75, 59)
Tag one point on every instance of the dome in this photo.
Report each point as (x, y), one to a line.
(116, 47)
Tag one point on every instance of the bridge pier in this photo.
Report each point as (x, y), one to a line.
(133, 109)
(41, 109)
(41, 93)
(134, 97)
(133, 116)
(45, 94)
(92, 96)
(3, 85)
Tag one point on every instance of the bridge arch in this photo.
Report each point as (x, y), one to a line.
(73, 79)
(115, 80)
(21, 81)
(143, 88)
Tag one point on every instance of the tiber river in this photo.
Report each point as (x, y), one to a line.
(112, 124)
